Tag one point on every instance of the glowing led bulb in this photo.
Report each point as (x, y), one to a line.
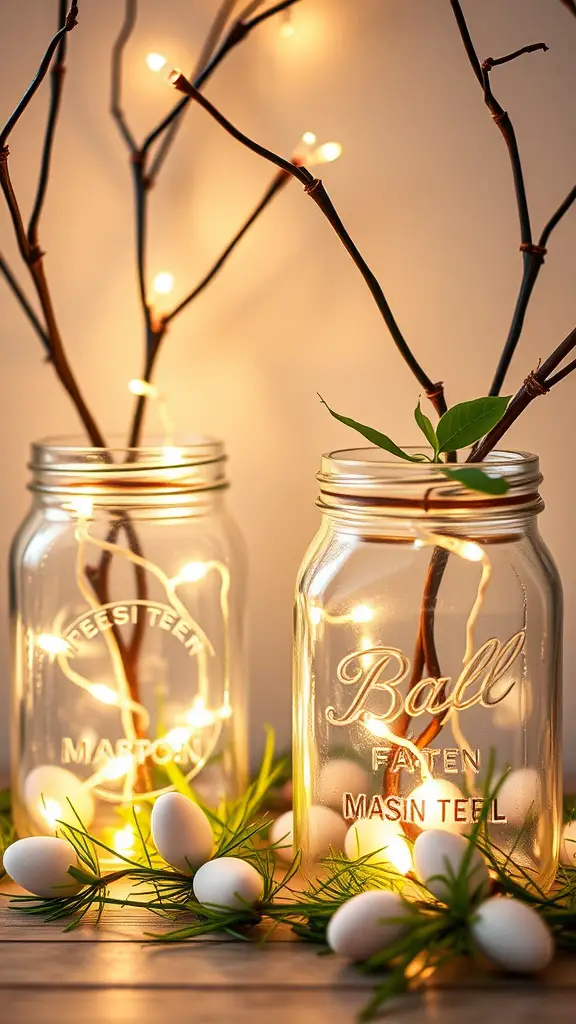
(142, 387)
(155, 61)
(192, 572)
(362, 613)
(399, 854)
(163, 283)
(438, 798)
(52, 811)
(81, 507)
(316, 616)
(51, 644)
(124, 840)
(199, 717)
(177, 737)
(328, 152)
(287, 29)
(105, 694)
(471, 551)
(116, 767)
(309, 139)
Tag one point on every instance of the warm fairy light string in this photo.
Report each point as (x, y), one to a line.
(197, 718)
(143, 388)
(380, 729)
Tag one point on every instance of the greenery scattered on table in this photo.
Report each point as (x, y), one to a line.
(435, 934)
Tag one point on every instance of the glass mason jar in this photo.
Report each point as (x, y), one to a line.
(427, 663)
(127, 597)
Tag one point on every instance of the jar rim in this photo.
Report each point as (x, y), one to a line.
(368, 481)
(67, 464)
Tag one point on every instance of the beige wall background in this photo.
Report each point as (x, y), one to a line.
(424, 186)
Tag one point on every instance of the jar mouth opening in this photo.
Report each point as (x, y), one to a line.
(371, 480)
(62, 451)
(372, 457)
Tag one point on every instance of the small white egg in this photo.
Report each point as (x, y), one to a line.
(568, 844)
(228, 882)
(339, 776)
(327, 830)
(512, 935)
(370, 835)
(435, 850)
(438, 798)
(47, 790)
(181, 832)
(366, 924)
(40, 865)
(519, 795)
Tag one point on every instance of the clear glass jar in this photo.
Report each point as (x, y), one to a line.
(127, 597)
(427, 662)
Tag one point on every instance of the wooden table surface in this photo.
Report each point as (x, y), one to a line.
(112, 975)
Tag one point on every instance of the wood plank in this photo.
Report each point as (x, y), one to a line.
(130, 1006)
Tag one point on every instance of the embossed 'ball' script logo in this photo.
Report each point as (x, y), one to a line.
(482, 681)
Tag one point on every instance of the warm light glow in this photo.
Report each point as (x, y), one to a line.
(155, 61)
(287, 29)
(52, 811)
(316, 616)
(116, 767)
(327, 153)
(439, 815)
(399, 854)
(362, 613)
(143, 388)
(105, 694)
(309, 139)
(81, 507)
(51, 644)
(124, 840)
(177, 737)
(171, 455)
(163, 283)
(199, 717)
(471, 551)
(192, 572)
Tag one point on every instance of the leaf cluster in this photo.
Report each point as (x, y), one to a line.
(460, 427)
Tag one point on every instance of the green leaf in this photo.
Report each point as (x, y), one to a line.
(426, 427)
(467, 422)
(477, 480)
(380, 440)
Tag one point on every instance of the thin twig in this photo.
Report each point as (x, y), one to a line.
(40, 74)
(492, 62)
(215, 31)
(126, 29)
(236, 33)
(571, 5)
(56, 84)
(23, 300)
(537, 383)
(278, 182)
(533, 254)
(315, 188)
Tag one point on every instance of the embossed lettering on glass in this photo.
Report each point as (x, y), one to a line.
(427, 659)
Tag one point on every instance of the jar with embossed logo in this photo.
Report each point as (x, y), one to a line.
(127, 590)
(427, 664)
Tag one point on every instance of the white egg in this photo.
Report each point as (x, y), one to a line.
(568, 844)
(228, 882)
(438, 798)
(436, 852)
(519, 795)
(384, 839)
(181, 832)
(365, 924)
(338, 776)
(327, 830)
(47, 790)
(512, 935)
(370, 835)
(40, 865)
